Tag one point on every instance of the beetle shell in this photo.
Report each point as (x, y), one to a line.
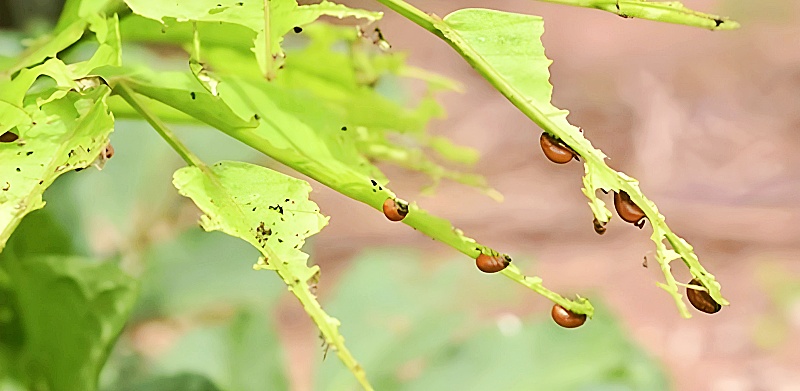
(701, 299)
(394, 209)
(8, 137)
(599, 227)
(566, 318)
(627, 210)
(554, 150)
(492, 264)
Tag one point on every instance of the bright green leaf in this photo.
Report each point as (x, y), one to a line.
(243, 200)
(67, 134)
(270, 25)
(181, 91)
(271, 211)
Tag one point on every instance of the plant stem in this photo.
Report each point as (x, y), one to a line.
(593, 158)
(660, 11)
(269, 60)
(344, 180)
(122, 90)
(413, 14)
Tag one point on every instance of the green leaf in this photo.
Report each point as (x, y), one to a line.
(507, 50)
(169, 284)
(271, 211)
(182, 382)
(661, 11)
(66, 134)
(244, 354)
(46, 46)
(250, 202)
(181, 91)
(269, 25)
(357, 122)
(71, 311)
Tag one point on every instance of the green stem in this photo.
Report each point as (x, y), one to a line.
(195, 55)
(413, 14)
(345, 181)
(592, 157)
(268, 58)
(660, 11)
(122, 90)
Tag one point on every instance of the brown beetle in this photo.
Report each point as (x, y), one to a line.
(555, 150)
(599, 227)
(395, 209)
(566, 318)
(701, 299)
(627, 210)
(492, 264)
(8, 137)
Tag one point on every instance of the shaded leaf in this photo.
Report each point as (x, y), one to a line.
(46, 46)
(71, 311)
(244, 354)
(182, 382)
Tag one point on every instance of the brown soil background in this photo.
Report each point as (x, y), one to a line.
(707, 121)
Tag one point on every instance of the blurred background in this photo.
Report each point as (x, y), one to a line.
(707, 121)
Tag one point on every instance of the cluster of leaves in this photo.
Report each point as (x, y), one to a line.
(250, 81)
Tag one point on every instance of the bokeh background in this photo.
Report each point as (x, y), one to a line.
(707, 121)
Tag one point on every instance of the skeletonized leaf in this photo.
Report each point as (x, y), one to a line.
(507, 48)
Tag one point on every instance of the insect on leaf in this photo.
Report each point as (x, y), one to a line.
(508, 50)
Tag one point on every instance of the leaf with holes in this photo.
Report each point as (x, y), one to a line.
(66, 134)
(507, 49)
(270, 25)
(272, 212)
